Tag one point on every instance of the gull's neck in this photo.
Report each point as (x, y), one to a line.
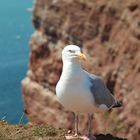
(71, 68)
(71, 65)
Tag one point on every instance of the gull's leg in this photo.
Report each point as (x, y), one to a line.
(89, 135)
(76, 133)
(76, 119)
(90, 116)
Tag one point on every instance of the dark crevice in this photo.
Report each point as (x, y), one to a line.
(106, 33)
(36, 22)
(134, 7)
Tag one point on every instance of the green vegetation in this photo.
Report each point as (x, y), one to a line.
(44, 131)
(29, 132)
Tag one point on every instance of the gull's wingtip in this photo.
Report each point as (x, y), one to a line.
(117, 104)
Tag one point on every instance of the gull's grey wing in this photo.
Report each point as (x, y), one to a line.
(100, 92)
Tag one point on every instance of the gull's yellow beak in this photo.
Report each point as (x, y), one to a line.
(81, 56)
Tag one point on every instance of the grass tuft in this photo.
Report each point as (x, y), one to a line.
(43, 131)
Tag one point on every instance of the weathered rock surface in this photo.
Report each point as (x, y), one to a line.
(109, 33)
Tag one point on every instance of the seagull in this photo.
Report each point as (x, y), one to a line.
(82, 92)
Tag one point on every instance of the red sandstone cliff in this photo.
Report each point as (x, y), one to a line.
(109, 33)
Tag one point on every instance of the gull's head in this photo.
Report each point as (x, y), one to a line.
(72, 53)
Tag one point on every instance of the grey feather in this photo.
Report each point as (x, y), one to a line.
(100, 92)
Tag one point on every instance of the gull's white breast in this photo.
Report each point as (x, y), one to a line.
(73, 92)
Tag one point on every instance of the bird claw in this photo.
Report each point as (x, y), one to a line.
(71, 137)
(88, 137)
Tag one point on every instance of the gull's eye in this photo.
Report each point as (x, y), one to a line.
(71, 51)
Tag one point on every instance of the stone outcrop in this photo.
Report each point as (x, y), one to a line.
(109, 33)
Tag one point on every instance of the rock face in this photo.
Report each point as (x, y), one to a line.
(109, 33)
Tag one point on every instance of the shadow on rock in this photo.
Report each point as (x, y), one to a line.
(107, 137)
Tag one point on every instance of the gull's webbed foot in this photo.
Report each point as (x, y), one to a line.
(91, 137)
(71, 137)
